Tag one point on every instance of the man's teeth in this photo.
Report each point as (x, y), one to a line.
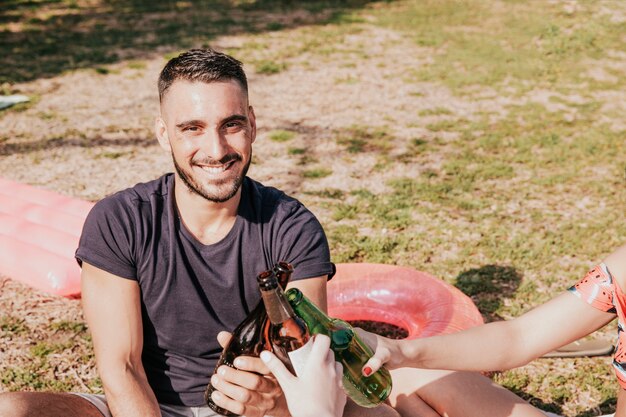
(215, 170)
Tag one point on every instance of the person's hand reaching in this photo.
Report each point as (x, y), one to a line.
(388, 352)
(318, 391)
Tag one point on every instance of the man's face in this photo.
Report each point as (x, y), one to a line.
(209, 128)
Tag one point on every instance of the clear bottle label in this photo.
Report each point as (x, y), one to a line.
(300, 356)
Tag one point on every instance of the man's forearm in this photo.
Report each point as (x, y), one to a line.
(129, 395)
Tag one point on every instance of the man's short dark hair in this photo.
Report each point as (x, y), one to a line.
(204, 65)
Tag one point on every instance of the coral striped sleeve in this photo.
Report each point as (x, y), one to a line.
(599, 289)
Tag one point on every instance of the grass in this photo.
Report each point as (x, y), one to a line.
(510, 192)
(357, 139)
(37, 35)
(283, 136)
(513, 44)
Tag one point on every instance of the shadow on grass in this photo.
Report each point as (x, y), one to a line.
(76, 142)
(552, 407)
(605, 407)
(42, 38)
(488, 286)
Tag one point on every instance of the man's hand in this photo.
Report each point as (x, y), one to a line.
(250, 389)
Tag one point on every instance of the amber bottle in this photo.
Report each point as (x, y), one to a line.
(288, 334)
(250, 337)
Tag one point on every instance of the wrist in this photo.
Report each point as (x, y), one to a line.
(410, 353)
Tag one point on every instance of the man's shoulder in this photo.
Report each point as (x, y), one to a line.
(271, 205)
(134, 198)
(140, 192)
(270, 197)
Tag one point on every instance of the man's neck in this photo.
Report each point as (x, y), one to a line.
(208, 221)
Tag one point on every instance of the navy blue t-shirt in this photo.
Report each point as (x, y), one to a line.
(191, 291)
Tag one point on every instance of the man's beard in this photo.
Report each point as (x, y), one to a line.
(223, 191)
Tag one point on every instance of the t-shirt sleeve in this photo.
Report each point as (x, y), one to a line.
(302, 242)
(106, 240)
(597, 289)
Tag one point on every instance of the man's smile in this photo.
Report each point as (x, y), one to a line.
(216, 169)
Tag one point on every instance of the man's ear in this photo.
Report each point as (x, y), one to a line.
(252, 118)
(161, 133)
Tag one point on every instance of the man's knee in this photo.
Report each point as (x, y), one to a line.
(14, 404)
(45, 404)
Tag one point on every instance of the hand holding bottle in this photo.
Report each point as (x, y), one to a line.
(317, 391)
(249, 389)
(392, 353)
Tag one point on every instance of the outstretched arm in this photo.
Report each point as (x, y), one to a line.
(113, 312)
(493, 346)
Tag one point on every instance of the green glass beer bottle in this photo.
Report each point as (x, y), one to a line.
(249, 337)
(349, 350)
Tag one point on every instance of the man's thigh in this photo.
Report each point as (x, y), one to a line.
(167, 410)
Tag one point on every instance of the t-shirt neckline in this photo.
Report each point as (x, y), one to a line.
(232, 233)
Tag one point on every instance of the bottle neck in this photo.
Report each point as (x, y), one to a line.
(276, 305)
(309, 312)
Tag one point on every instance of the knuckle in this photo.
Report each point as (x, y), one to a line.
(238, 408)
(245, 396)
(257, 384)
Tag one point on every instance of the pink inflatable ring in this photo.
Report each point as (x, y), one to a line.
(39, 232)
(413, 300)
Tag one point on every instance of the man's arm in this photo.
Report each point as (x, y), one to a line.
(314, 289)
(112, 309)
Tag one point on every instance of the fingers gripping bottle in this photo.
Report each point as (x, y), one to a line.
(349, 350)
(249, 337)
(288, 334)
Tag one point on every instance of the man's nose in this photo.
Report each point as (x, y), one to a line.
(214, 145)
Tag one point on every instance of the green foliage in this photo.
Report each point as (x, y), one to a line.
(296, 151)
(507, 44)
(281, 135)
(317, 173)
(69, 326)
(270, 67)
(13, 325)
(359, 139)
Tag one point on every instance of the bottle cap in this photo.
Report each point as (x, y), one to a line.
(283, 267)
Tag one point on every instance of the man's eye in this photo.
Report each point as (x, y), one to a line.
(191, 129)
(233, 127)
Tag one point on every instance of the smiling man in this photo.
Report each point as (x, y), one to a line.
(170, 264)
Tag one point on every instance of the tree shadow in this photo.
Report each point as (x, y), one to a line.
(488, 286)
(46, 37)
(7, 149)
